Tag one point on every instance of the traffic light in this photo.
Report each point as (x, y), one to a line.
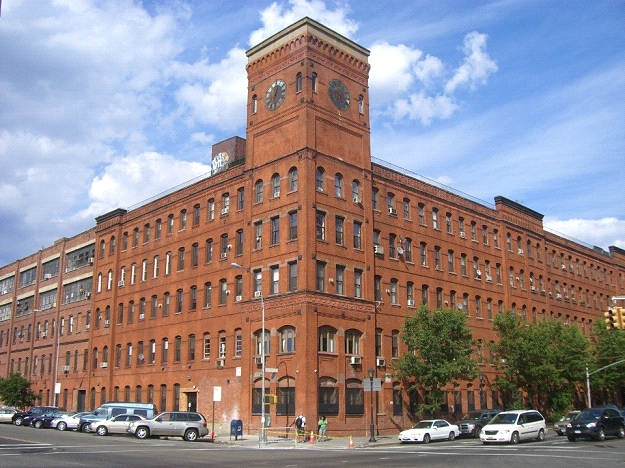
(611, 317)
(621, 316)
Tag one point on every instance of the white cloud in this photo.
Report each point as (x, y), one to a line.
(131, 180)
(425, 108)
(477, 64)
(214, 94)
(397, 70)
(277, 16)
(600, 232)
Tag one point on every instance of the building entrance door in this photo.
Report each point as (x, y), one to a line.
(192, 401)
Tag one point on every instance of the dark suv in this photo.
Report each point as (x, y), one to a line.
(18, 418)
(472, 423)
(597, 423)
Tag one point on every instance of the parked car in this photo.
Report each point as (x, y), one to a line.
(111, 409)
(514, 426)
(472, 423)
(429, 429)
(117, 425)
(18, 418)
(6, 414)
(560, 426)
(67, 421)
(597, 423)
(43, 420)
(188, 425)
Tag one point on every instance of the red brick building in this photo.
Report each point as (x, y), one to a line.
(338, 250)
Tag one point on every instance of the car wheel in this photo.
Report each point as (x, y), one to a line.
(541, 435)
(426, 439)
(142, 432)
(85, 428)
(601, 435)
(514, 438)
(452, 435)
(571, 438)
(101, 431)
(18, 421)
(621, 433)
(38, 424)
(190, 435)
(61, 426)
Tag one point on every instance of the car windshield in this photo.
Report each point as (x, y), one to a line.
(423, 425)
(590, 414)
(570, 415)
(471, 415)
(503, 418)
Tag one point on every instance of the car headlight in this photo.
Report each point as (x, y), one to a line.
(471, 426)
(504, 431)
(592, 424)
(569, 425)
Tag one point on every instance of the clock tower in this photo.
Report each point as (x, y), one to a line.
(308, 90)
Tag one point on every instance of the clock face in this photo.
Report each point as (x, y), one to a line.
(339, 95)
(275, 94)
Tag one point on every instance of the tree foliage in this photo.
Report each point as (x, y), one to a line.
(15, 391)
(609, 347)
(440, 346)
(546, 360)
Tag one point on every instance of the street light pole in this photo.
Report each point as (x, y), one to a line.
(262, 307)
(371, 428)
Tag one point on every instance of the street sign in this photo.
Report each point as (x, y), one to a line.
(273, 370)
(216, 394)
(377, 385)
(258, 374)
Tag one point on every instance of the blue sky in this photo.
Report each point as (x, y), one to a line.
(104, 104)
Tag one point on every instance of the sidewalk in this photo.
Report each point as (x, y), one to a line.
(360, 442)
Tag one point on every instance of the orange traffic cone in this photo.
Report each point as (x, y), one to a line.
(351, 443)
(312, 437)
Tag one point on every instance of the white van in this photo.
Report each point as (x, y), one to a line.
(113, 408)
(514, 426)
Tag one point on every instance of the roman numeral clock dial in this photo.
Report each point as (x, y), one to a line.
(275, 94)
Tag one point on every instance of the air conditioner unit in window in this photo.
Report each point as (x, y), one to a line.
(564, 267)
(224, 255)
(106, 323)
(520, 251)
(489, 278)
(259, 360)
(44, 335)
(239, 298)
(410, 302)
(257, 293)
(141, 316)
(276, 193)
(88, 295)
(380, 362)
(90, 260)
(220, 363)
(378, 250)
(357, 200)
(120, 284)
(478, 273)
(65, 368)
(392, 211)
(224, 211)
(104, 365)
(87, 327)
(532, 288)
(47, 276)
(463, 235)
(355, 360)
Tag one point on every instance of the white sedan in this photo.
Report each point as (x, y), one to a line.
(429, 429)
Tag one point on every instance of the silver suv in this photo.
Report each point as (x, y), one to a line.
(188, 425)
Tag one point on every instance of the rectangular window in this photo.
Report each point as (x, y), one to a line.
(275, 280)
(320, 226)
(292, 276)
(339, 222)
(340, 279)
(275, 230)
(357, 235)
(321, 276)
(293, 225)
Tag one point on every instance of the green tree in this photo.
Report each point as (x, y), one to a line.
(609, 347)
(439, 344)
(15, 391)
(544, 362)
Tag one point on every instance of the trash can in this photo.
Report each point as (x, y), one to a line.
(236, 428)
